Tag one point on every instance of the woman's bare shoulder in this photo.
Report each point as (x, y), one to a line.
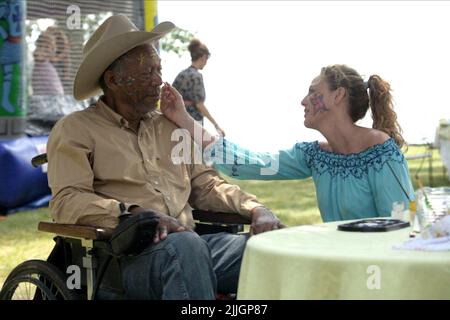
(375, 136)
(323, 145)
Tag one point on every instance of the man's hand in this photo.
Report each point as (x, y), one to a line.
(264, 220)
(166, 225)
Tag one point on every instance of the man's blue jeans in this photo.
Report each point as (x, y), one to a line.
(185, 266)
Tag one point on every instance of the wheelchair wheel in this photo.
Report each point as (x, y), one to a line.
(36, 280)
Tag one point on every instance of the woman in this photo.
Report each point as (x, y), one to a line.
(358, 172)
(61, 58)
(45, 79)
(189, 83)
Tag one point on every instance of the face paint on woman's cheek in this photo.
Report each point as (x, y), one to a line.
(318, 104)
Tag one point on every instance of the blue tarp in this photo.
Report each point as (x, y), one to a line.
(21, 185)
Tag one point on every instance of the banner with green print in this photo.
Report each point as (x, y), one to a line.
(12, 62)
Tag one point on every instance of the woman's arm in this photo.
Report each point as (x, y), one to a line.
(204, 111)
(244, 164)
(391, 184)
(229, 157)
(172, 106)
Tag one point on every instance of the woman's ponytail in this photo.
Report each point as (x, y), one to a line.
(383, 114)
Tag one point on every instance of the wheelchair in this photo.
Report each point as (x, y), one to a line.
(82, 265)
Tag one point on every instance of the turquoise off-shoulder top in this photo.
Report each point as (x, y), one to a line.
(353, 186)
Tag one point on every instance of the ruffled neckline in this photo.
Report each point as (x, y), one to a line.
(380, 146)
(353, 164)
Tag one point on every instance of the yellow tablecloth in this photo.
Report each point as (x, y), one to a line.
(320, 262)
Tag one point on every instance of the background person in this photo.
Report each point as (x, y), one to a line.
(45, 79)
(189, 83)
(61, 58)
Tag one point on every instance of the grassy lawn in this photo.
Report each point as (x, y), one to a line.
(20, 240)
(293, 201)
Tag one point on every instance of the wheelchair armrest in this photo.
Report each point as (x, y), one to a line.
(39, 160)
(219, 217)
(76, 231)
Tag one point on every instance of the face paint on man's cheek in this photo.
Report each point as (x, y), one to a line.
(126, 81)
(133, 94)
(318, 104)
(128, 85)
(141, 59)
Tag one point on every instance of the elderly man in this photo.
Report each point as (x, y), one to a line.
(117, 154)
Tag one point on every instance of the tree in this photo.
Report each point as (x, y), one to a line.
(177, 41)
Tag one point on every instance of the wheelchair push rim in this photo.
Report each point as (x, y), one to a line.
(36, 280)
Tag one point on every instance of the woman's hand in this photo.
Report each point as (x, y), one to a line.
(172, 105)
(220, 131)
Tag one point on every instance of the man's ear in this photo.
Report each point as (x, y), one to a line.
(110, 80)
(340, 95)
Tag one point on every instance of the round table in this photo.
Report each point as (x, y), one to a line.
(320, 262)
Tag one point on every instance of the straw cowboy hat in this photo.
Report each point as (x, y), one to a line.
(116, 36)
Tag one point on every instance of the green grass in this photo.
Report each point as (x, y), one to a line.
(420, 168)
(293, 201)
(20, 240)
